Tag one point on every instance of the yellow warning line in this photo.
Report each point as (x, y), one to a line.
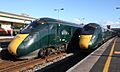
(106, 67)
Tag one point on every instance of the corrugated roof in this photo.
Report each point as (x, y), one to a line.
(15, 16)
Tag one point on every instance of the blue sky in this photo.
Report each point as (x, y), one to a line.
(99, 11)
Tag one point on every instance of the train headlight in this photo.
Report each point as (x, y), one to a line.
(92, 40)
(29, 41)
(90, 43)
(93, 37)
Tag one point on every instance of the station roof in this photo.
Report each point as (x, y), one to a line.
(11, 15)
(5, 16)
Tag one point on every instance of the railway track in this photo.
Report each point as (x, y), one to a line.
(66, 63)
(10, 65)
(50, 63)
(54, 63)
(31, 64)
(69, 62)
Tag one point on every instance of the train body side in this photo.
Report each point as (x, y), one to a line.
(94, 35)
(43, 34)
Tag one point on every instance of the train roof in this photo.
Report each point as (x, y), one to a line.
(96, 25)
(52, 20)
(93, 24)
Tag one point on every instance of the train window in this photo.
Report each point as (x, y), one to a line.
(88, 30)
(64, 32)
(51, 27)
(33, 26)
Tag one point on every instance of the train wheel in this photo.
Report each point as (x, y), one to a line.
(66, 45)
(41, 53)
(62, 48)
(50, 51)
(46, 52)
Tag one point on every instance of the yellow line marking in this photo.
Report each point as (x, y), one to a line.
(106, 67)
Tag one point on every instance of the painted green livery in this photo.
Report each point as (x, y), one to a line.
(93, 35)
(44, 36)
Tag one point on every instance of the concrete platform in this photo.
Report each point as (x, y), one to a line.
(105, 59)
(6, 37)
(4, 41)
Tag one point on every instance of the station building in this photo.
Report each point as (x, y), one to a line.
(12, 23)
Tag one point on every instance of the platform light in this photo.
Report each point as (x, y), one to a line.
(117, 7)
(58, 11)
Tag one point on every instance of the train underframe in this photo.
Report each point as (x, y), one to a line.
(44, 52)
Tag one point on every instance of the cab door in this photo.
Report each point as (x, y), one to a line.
(65, 33)
(52, 34)
(43, 35)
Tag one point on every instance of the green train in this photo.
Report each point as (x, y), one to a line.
(93, 35)
(43, 37)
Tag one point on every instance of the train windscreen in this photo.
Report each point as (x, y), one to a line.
(30, 27)
(88, 29)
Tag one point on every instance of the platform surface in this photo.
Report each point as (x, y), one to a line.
(6, 37)
(105, 59)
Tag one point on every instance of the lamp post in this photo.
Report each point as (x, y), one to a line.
(118, 8)
(58, 11)
(81, 20)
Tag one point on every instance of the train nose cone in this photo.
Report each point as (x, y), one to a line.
(12, 48)
(84, 41)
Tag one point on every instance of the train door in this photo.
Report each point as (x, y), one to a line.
(98, 35)
(43, 35)
(36, 40)
(65, 33)
(57, 34)
(52, 34)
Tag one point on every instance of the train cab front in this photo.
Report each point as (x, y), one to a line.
(86, 37)
(22, 44)
(85, 41)
(16, 44)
